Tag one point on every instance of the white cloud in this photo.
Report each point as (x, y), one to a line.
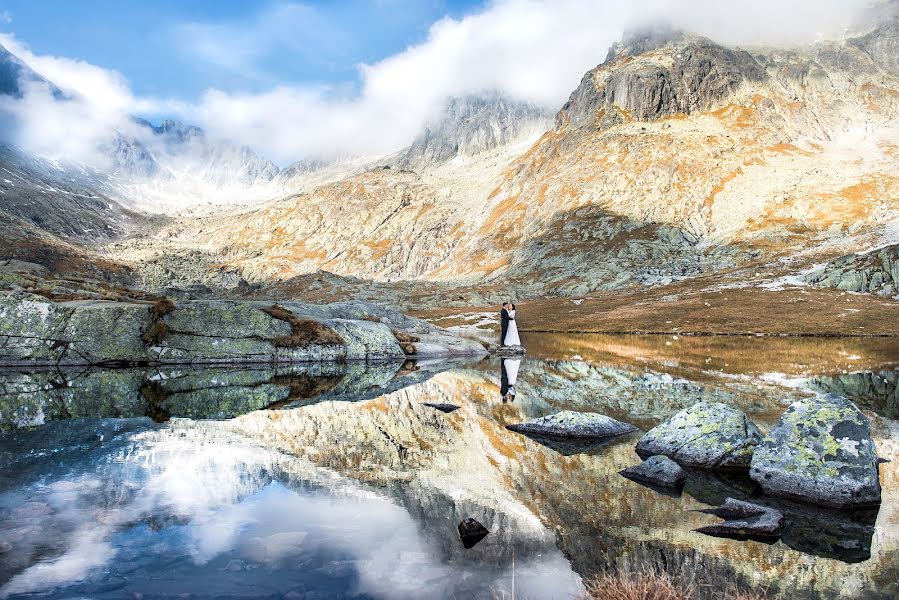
(5, 16)
(534, 50)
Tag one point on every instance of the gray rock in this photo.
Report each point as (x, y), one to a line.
(573, 424)
(820, 452)
(34, 330)
(706, 435)
(875, 272)
(656, 470)
(744, 520)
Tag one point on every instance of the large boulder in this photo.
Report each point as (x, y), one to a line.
(821, 452)
(706, 435)
(573, 424)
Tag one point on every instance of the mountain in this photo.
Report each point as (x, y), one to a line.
(14, 73)
(471, 125)
(674, 159)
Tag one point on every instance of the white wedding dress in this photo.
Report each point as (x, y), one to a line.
(512, 338)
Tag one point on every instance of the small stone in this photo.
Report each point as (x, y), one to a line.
(573, 424)
(656, 470)
(471, 532)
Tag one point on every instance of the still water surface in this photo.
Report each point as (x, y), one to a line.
(335, 481)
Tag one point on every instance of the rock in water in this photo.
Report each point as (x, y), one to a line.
(573, 424)
(443, 407)
(706, 435)
(656, 470)
(744, 520)
(821, 452)
(471, 532)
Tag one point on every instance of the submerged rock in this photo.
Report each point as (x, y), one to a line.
(706, 435)
(443, 407)
(573, 424)
(656, 470)
(744, 520)
(821, 452)
(471, 532)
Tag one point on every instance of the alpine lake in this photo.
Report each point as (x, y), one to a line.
(339, 481)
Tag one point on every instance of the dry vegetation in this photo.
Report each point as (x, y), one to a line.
(161, 308)
(155, 333)
(406, 340)
(657, 586)
(303, 332)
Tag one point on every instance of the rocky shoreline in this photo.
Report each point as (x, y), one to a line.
(37, 331)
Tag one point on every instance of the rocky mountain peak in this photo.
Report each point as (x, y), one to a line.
(656, 74)
(639, 41)
(472, 124)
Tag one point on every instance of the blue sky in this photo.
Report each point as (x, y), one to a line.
(169, 47)
(303, 79)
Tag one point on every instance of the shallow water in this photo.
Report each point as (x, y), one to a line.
(332, 481)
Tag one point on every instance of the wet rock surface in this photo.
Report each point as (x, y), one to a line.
(821, 451)
(706, 435)
(573, 424)
(744, 520)
(657, 471)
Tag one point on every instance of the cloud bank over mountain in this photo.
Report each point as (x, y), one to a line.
(529, 50)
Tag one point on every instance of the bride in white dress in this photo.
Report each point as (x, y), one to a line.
(512, 338)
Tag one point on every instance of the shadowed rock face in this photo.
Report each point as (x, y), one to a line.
(882, 44)
(471, 125)
(820, 452)
(875, 272)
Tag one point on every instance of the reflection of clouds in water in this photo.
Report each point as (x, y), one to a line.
(212, 501)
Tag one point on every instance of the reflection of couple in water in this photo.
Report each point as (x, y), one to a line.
(508, 377)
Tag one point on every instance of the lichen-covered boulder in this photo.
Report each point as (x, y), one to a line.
(29, 328)
(656, 470)
(573, 424)
(104, 332)
(821, 452)
(706, 435)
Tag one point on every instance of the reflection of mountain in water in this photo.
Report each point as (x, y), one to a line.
(877, 391)
(440, 468)
(221, 516)
(35, 397)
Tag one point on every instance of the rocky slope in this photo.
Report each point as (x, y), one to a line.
(471, 125)
(875, 272)
(675, 158)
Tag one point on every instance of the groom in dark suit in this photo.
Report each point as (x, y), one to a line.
(503, 323)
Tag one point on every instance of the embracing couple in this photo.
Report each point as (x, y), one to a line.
(508, 329)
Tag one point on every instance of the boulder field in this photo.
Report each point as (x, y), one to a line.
(819, 452)
(38, 331)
